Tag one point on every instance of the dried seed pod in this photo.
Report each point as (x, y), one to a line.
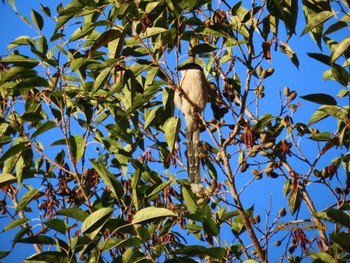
(282, 212)
(255, 172)
(286, 91)
(278, 243)
(269, 145)
(292, 95)
(257, 219)
(260, 70)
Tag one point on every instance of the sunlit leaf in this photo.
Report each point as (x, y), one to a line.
(43, 128)
(37, 19)
(171, 129)
(294, 201)
(75, 213)
(27, 198)
(104, 39)
(317, 20)
(151, 213)
(77, 146)
(56, 224)
(111, 182)
(342, 47)
(96, 219)
(6, 179)
(16, 223)
(324, 257)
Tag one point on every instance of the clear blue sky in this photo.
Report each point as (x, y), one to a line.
(305, 80)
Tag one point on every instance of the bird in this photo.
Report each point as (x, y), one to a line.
(191, 99)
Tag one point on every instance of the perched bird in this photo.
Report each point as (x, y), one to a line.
(191, 99)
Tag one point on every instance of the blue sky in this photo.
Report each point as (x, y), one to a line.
(305, 80)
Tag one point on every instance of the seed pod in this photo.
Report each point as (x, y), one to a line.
(199, 195)
(269, 145)
(317, 173)
(263, 74)
(263, 137)
(292, 95)
(257, 219)
(282, 212)
(270, 71)
(324, 173)
(255, 172)
(264, 153)
(209, 191)
(244, 167)
(258, 176)
(261, 88)
(270, 165)
(200, 201)
(338, 190)
(194, 42)
(268, 170)
(286, 91)
(260, 70)
(278, 243)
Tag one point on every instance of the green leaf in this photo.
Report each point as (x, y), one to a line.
(27, 198)
(320, 98)
(77, 146)
(111, 182)
(6, 179)
(75, 213)
(75, 64)
(342, 240)
(196, 250)
(321, 136)
(43, 240)
(19, 60)
(339, 216)
(294, 201)
(290, 53)
(49, 256)
(101, 79)
(43, 128)
(324, 257)
(171, 129)
(340, 75)
(159, 188)
(321, 57)
(104, 39)
(189, 200)
(86, 29)
(37, 19)
(336, 112)
(56, 224)
(4, 253)
(153, 31)
(335, 27)
(210, 227)
(16, 223)
(287, 187)
(317, 20)
(96, 219)
(151, 213)
(202, 49)
(261, 124)
(317, 116)
(340, 50)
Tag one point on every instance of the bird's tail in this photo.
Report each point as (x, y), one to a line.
(193, 161)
